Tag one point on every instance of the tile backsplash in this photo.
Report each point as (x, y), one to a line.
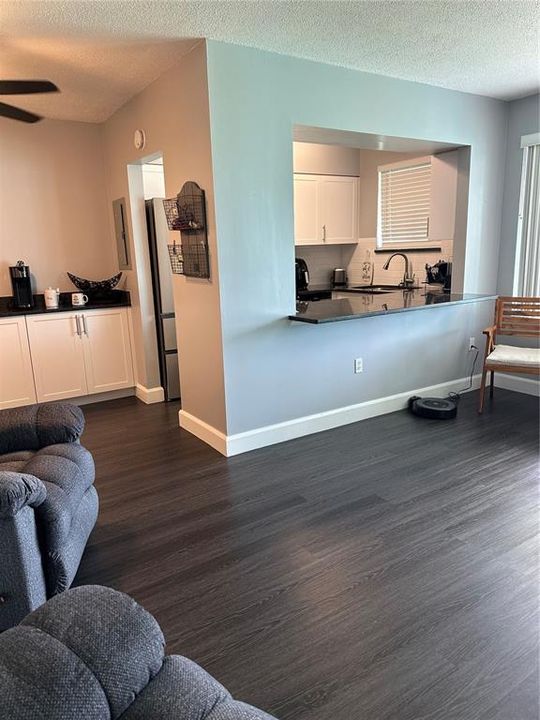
(322, 259)
(356, 255)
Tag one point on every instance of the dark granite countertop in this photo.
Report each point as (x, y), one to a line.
(117, 298)
(358, 305)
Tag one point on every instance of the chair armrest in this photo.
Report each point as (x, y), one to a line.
(489, 332)
(18, 490)
(35, 426)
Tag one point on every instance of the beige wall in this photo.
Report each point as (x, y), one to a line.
(325, 159)
(173, 112)
(53, 203)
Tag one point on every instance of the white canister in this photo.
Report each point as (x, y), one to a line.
(52, 298)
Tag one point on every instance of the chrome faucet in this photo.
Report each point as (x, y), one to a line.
(408, 277)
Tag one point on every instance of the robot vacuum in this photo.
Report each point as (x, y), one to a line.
(435, 408)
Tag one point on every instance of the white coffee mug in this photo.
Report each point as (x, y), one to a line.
(79, 299)
(52, 298)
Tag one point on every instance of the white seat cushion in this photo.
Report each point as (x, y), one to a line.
(510, 355)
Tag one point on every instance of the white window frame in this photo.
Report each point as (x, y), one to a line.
(527, 257)
(401, 165)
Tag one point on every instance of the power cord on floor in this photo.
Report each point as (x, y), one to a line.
(456, 396)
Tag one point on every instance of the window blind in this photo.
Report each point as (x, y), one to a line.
(527, 274)
(404, 203)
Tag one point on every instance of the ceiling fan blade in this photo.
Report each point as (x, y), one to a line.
(26, 87)
(15, 113)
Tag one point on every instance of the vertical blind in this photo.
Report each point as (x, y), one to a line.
(404, 202)
(527, 277)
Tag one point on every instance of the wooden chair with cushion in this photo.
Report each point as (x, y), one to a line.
(514, 316)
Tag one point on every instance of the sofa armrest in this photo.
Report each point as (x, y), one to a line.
(35, 426)
(17, 490)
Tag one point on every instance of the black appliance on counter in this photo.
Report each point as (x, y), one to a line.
(21, 284)
(302, 281)
(301, 274)
(440, 274)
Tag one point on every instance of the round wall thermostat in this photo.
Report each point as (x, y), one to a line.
(139, 139)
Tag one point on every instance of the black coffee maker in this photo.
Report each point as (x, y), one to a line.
(301, 274)
(22, 285)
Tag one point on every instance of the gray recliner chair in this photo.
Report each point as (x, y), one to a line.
(92, 653)
(48, 504)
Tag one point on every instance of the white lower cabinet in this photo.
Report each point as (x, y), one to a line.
(107, 354)
(16, 379)
(57, 356)
(80, 353)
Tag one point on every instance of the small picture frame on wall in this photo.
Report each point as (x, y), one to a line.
(121, 232)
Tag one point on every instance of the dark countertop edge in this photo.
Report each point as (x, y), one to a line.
(65, 306)
(393, 311)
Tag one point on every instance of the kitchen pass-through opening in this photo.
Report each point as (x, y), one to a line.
(359, 197)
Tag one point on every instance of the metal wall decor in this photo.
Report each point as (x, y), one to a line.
(187, 214)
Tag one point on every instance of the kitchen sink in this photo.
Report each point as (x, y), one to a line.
(369, 290)
(380, 289)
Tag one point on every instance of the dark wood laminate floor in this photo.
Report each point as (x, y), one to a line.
(383, 570)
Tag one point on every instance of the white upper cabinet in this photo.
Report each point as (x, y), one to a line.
(57, 355)
(339, 200)
(107, 356)
(325, 209)
(307, 223)
(16, 379)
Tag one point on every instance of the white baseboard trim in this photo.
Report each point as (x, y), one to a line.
(230, 445)
(518, 384)
(205, 432)
(149, 395)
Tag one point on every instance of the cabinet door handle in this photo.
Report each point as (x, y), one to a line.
(324, 233)
(78, 323)
(84, 325)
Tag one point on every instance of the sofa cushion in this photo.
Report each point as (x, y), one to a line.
(35, 426)
(16, 461)
(67, 472)
(182, 689)
(511, 355)
(116, 639)
(42, 679)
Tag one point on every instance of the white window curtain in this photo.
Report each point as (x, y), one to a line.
(527, 273)
(404, 203)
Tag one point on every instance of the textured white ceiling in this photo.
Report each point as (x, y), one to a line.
(100, 53)
(95, 77)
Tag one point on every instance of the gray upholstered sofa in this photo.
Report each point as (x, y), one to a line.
(48, 504)
(92, 653)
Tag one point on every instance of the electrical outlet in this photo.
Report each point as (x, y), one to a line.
(358, 365)
(472, 343)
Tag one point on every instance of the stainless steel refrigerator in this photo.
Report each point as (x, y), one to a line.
(158, 237)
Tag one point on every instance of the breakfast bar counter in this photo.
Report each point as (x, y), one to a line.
(347, 305)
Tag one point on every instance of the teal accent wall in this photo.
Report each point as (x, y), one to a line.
(276, 370)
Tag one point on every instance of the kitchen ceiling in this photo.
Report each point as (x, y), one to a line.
(102, 53)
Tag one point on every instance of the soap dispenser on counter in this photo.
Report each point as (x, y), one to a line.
(368, 269)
